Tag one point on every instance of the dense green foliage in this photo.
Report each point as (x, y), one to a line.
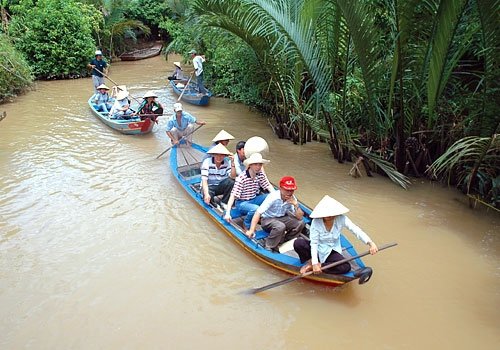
(55, 36)
(15, 73)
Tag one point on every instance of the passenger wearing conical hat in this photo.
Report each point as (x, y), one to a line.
(216, 176)
(276, 220)
(181, 125)
(324, 246)
(246, 190)
(150, 107)
(177, 75)
(101, 100)
(121, 108)
(98, 66)
(223, 138)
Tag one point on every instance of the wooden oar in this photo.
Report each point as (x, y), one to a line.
(294, 278)
(185, 87)
(168, 149)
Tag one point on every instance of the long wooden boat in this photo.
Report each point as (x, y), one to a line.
(185, 163)
(142, 53)
(191, 94)
(134, 126)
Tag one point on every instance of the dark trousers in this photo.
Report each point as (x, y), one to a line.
(303, 249)
(281, 229)
(223, 188)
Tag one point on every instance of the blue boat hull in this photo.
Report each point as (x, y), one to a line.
(190, 95)
(188, 174)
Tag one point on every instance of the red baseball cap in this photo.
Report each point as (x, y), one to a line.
(288, 183)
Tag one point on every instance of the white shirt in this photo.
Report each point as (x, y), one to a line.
(323, 241)
(198, 65)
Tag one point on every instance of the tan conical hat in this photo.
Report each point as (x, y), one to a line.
(219, 149)
(223, 135)
(328, 207)
(256, 144)
(255, 158)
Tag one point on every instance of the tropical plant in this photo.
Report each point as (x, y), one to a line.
(54, 35)
(15, 73)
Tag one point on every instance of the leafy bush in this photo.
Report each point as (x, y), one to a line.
(15, 73)
(55, 36)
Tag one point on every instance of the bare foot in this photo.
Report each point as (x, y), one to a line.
(306, 268)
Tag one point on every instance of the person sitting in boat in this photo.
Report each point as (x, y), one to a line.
(101, 100)
(150, 108)
(181, 125)
(324, 246)
(178, 74)
(121, 107)
(281, 215)
(246, 190)
(239, 158)
(223, 138)
(216, 176)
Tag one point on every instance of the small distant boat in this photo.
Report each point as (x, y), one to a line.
(191, 94)
(185, 163)
(134, 126)
(141, 54)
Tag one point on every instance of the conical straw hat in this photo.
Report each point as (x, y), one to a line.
(255, 158)
(328, 207)
(219, 149)
(223, 135)
(102, 86)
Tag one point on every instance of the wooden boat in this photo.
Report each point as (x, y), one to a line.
(132, 126)
(185, 162)
(191, 94)
(141, 54)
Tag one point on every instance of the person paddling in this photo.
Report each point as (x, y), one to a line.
(181, 124)
(324, 246)
(99, 66)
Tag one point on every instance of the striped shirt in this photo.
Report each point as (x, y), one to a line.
(213, 174)
(274, 207)
(245, 188)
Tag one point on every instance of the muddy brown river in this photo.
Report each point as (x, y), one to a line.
(101, 248)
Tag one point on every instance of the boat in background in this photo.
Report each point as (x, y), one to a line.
(190, 94)
(185, 163)
(133, 126)
(142, 53)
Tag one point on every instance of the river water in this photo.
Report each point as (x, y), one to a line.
(100, 247)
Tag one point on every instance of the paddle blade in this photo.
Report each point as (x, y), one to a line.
(275, 284)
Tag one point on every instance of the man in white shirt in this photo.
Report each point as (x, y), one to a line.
(198, 70)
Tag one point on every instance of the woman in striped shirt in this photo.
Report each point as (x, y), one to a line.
(246, 189)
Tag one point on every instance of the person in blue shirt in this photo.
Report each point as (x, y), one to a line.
(98, 63)
(101, 100)
(281, 215)
(324, 246)
(180, 125)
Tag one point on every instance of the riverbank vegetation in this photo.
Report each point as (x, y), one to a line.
(405, 88)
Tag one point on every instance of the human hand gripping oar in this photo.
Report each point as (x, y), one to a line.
(182, 138)
(294, 278)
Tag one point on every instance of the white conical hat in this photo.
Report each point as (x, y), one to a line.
(219, 149)
(121, 95)
(255, 158)
(328, 207)
(102, 86)
(149, 94)
(223, 135)
(177, 63)
(256, 144)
